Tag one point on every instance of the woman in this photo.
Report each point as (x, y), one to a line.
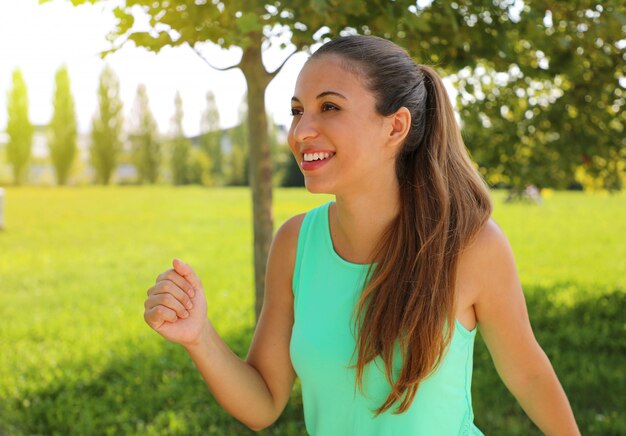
(373, 299)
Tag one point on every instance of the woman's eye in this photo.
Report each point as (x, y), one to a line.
(295, 111)
(328, 107)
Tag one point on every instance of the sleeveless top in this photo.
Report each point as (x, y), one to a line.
(326, 289)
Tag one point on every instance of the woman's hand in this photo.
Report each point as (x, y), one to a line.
(176, 306)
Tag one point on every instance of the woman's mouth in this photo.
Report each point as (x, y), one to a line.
(312, 161)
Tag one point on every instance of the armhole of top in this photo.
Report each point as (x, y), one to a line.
(304, 229)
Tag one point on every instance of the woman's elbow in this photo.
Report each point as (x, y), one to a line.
(263, 423)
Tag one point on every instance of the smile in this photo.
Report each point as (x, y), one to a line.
(310, 157)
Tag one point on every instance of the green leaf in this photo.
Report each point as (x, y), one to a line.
(248, 23)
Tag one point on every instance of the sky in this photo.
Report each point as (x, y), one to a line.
(40, 38)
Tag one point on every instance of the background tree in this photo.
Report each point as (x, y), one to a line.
(145, 139)
(106, 127)
(286, 168)
(62, 128)
(555, 116)
(200, 168)
(211, 139)
(456, 34)
(19, 128)
(292, 176)
(238, 157)
(180, 146)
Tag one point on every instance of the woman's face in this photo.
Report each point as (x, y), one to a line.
(336, 136)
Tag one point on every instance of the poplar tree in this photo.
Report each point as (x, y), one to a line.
(62, 128)
(210, 138)
(239, 161)
(19, 128)
(181, 147)
(144, 139)
(106, 130)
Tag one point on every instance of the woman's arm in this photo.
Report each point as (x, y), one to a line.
(255, 390)
(504, 324)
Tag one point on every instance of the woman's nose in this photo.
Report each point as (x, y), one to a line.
(305, 128)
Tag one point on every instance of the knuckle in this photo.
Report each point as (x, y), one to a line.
(186, 300)
(167, 299)
(164, 285)
(163, 276)
(161, 311)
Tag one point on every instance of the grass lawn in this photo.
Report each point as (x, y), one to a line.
(77, 358)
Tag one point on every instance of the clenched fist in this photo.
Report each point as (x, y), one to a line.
(176, 306)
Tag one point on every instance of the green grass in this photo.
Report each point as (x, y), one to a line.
(77, 358)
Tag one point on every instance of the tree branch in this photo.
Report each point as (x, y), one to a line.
(211, 65)
(277, 70)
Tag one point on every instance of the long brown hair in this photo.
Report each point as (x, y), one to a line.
(409, 296)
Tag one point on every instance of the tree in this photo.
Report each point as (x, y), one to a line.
(557, 115)
(211, 138)
(456, 34)
(19, 128)
(239, 150)
(292, 175)
(200, 168)
(144, 139)
(181, 148)
(62, 128)
(106, 130)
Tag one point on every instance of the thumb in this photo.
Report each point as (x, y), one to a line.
(185, 270)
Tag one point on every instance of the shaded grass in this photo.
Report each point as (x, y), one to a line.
(586, 345)
(75, 264)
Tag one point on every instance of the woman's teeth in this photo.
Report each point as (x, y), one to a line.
(309, 157)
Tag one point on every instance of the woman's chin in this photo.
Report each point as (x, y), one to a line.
(314, 187)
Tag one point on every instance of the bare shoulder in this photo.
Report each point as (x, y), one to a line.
(488, 245)
(282, 256)
(286, 237)
(489, 240)
(487, 262)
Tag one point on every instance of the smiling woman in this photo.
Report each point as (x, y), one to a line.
(373, 300)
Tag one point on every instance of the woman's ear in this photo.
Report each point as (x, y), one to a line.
(399, 124)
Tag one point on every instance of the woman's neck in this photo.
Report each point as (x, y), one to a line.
(358, 221)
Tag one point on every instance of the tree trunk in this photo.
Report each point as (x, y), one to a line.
(260, 168)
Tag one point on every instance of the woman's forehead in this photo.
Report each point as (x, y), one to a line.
(328, 73)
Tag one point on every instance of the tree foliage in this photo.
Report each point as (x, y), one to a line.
(555, 116)
(62, 128)
(145, 139)
(19, 128)
(106, 127)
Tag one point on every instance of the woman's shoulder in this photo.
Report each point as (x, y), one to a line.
(288, 232)
(487, 260)
(290, 229)
(285, 241)
(489, 240)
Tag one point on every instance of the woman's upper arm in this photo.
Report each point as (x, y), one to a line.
(269, 351)
(501, 310)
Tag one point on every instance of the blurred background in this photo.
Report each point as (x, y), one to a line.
(133, 132)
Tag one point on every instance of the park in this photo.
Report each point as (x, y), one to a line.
(87, 224)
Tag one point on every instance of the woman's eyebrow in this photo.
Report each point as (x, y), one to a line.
(321, 95)
(326, 93)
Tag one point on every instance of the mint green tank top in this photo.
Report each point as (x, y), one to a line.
(326, 288)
